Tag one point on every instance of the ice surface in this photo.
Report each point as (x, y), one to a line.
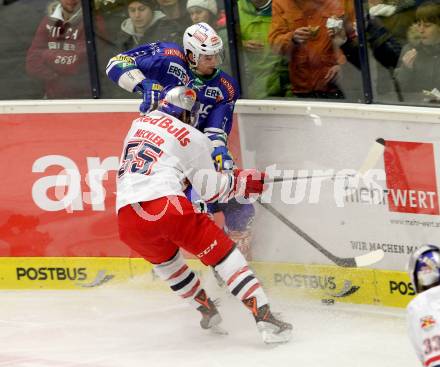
(119, 327)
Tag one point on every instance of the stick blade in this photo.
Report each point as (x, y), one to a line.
(370, 258)
(375, 152)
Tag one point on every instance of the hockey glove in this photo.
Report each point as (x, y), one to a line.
(222, 159)
(151, 92)
(249, 181)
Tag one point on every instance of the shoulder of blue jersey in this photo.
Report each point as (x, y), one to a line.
(173, 50)
(229, 85)
(157, 48)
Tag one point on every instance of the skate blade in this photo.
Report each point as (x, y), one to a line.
(218, 330)
(270, 334)
(269, 337)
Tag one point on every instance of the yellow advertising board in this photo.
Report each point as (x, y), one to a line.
(326, 282)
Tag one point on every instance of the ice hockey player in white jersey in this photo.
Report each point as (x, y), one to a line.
(162, 152)
(423, 312)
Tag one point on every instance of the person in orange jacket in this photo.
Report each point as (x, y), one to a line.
(305, 31)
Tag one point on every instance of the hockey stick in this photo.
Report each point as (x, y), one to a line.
(375, 152)
(283, 179)
(370, 258)
(373, 155)
(349, 262)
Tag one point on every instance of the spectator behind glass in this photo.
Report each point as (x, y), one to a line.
(57, 55)
(15, 41)
(264, 72)
(418, 72)
(386, 33)
(207, 11)
(175, 22)
(386, 27)
(299, 31)
(141, 26)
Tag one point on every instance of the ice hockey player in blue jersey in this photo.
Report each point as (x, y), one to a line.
(149, 68)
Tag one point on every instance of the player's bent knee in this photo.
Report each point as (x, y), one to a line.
(231, 263)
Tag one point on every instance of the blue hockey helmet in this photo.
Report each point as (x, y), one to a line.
(180, 102)
(424, 267)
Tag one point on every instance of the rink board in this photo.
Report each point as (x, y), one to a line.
(321, 282)
(394, 206)
(58, 194)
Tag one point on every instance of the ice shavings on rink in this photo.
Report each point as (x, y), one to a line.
(111, 327)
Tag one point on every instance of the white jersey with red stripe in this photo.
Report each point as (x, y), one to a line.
(423, 316)
(160, 153)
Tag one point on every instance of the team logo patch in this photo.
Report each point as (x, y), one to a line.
(174, 52)
(214, 92)
(427, 322)
(215, 40)
(178, 71)
(202, 37)
(126, 59)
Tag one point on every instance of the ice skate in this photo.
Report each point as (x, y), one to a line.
(211, 318)
(272, 330)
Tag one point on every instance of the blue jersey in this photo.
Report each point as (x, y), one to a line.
(166, 63)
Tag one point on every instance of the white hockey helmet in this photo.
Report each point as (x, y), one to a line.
(180, 102)
(201, 39)
(424, 267)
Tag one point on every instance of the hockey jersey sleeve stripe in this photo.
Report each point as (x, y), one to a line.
(125, 74)
(213, 130)
(217, 136)
(430, 361)
(130, 79)
(212, 199)
(226, 191)
(115, 68)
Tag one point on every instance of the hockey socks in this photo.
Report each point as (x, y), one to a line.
(185, 283)
(243, 284)
(240, 280)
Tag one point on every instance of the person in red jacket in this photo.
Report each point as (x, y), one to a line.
(57, 55)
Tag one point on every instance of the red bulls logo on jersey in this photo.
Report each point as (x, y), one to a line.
(167, 124)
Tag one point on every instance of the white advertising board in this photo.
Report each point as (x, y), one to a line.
(394, 206)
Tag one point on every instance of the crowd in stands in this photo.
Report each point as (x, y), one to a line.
(286, 48)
